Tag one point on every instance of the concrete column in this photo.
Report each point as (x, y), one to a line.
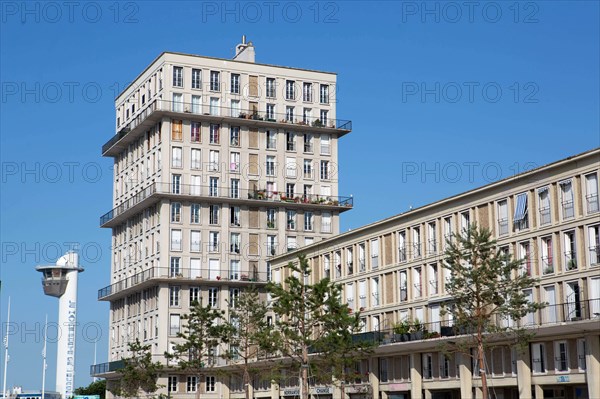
(524, 374)
(539, 392)
(374, 376)
(416, 390)
(466, 377)
(592, 365)
(428, 394)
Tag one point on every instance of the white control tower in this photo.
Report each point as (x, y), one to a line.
(60, 281)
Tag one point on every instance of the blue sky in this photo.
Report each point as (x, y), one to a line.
(443, 99)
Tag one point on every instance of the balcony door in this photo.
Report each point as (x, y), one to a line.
(594, 297)
(573, 301)
(550, 310)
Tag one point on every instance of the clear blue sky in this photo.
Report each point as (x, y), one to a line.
(470, 95)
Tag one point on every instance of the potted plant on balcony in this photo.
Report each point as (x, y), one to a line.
(572, 264)
(401, 331)
(549, 269)
(317, 123)
(417, 330)
(242, 115)
(270, 225)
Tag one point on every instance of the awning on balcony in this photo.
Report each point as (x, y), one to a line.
(542, 190)
(521, 208)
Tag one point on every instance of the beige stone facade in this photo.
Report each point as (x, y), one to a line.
(391, 271)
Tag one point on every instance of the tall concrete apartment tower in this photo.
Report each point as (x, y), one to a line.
(218, 165)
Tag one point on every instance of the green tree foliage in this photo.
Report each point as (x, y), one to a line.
(203, 332)
(311, 320)
(95, 388)
(486, 287)
(140, 372)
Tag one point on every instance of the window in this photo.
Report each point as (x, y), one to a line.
(324, 117)
(196, 158)
(176, 130)
(525, 256)
(375, 253)
(195, 213)
(270, 166)
(290, 167)
(325, 170)
(591, 192)
(581, 354)
(307, 92)
(196, 78)
(194, 294)
(213, 296)
(195, 132)
(403, 285)
(362, 294)
(271, 140)
(431, 238)
(561, 356)
(195, 243)
(566, 199)
(271, 220)
(433, 279)
(271, 245)
(175, 240)
(447, 230)
(177, 76)
(213, 241)
(214, 106)
(192, 383)
(291, 243)
(235, 83)
(307, 116)
(308, 142)
(402, 246)
(214, 133)
(234, 189)
(210, 383)
(427, 366)
(290, 90)
(176, 158)
(213, 215)
(175, 267)
(291, 219)
(544, 205)
(174, 292)
(547, 257)
(465, 222)
(235, 216)
(417, 283)
(177, 105)
(326, 222)
(270, 114)
(502, 217)
(196, 105)
(308, 173)
(290, 190)
(308, 221)
(324, 94)
(215, 81)
(176, 212)
(538, 358)
(594, 244)
(270, 87)
(325, 144)
(234, 136)
(234, 243)
(213, 187)
(290, 140)
(289, 114)
(521, 218)
(375, 290)
(416, 242)
(234, 162)
(174, 324)
(444, 365)
(570, 251)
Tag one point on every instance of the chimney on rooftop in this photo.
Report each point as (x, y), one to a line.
(244, 51)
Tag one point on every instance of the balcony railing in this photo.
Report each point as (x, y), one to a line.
(225, 193)
(179, 273)
(102, 368)
(502, 227)
(182, 108)
(544, 216)
(594, 255)
(570, 260)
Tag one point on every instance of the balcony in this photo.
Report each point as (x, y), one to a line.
(216, 114)
(155, 191)
(160, 274)
(104, 368)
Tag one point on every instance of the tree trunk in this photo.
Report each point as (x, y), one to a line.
(246, 381)
(304, 379)
(481, 365)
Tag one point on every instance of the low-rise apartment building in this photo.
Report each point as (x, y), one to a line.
(391, 271)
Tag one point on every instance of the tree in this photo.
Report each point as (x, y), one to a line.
(312, 319)
(139, 372)
(202, 335)
(486, 287)
(95, 388)
(249, 330)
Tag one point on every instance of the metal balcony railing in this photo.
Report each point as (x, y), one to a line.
(159, 105)
(177, 273)
(225, 193)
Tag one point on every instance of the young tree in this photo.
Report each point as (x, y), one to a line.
(250, 332)
(201, 337)
(312, 319)
(95, 388)
(139, 373)
(486, 287)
